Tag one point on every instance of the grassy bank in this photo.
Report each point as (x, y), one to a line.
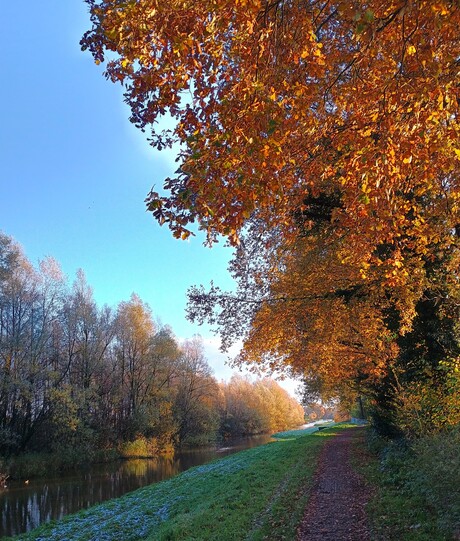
(416, 487)
(255, 494)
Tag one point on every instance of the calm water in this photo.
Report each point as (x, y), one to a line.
(23, 507)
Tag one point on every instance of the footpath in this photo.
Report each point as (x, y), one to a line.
(336, 508)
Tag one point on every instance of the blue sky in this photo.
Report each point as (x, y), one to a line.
(74, 172)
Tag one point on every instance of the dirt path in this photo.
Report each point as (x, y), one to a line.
(336, 509)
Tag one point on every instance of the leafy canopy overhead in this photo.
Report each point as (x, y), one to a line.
(277, 101)
(321, 137)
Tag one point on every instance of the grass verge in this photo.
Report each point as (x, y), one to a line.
(416, 494)
(256, 494)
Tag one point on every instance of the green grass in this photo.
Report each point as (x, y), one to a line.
(416, 489)
(294, 434)
(256, 494)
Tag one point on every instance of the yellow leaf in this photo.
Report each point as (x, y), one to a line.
(440, 102)
(439, 8)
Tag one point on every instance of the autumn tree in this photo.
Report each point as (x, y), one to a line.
(83, 336)
(161, 387)
(89, 332)
(275, 102)
(197, 399)
(315, 411)
(300, 308)
(242, 413)
(258, 407)
(30, 300)
(135, 329)
(78, 380)
(148, 367)
(333, 127)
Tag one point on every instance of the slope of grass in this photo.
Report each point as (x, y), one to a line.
(255, 494)
(416, 488)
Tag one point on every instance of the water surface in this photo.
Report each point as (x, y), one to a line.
(25, 506)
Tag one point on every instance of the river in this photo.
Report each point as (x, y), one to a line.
(25, 506)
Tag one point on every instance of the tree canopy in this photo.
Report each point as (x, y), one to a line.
(79, 380)
(321, 137)
(278, 101)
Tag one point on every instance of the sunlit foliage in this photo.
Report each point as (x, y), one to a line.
(258, 407)
(77, 379)
(322, 139)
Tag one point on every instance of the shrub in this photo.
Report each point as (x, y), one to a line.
(437, 466)
(421, 478)
(30, 465)
(433, 405)
(137, 448)
(376, 443)
(143, 447)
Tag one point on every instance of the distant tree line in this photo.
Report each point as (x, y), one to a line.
(316, 411)
(76, 377)
(321, 140)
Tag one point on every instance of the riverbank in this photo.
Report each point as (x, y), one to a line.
(29, 466)
(25, 506)
(249, 495)
(41, 465)
(262, 493)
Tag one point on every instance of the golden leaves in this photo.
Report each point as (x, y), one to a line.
(287, 100)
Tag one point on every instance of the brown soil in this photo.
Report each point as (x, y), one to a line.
(336, 508)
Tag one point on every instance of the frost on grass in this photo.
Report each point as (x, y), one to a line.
(224, 467)
(279, 493)
(292, 434)
(136, 515)
(130, 518)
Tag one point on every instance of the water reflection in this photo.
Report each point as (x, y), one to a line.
(24, 507)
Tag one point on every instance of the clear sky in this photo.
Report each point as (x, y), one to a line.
(74, 172)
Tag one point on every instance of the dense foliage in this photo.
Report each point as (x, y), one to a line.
(416, 496)
(321, 137)
(76, 378)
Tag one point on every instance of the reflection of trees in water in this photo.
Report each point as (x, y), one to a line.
(151, 470)
(23, 508)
